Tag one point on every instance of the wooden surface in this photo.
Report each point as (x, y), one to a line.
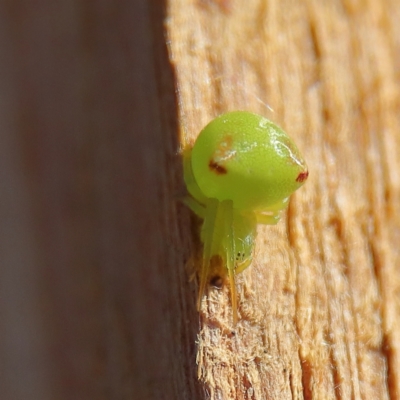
(96, 252)
(320, 305)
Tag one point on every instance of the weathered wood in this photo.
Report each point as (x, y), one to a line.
(320, 305)
(95, 250)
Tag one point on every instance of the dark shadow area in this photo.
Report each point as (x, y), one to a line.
(95, 298)
(178, 220)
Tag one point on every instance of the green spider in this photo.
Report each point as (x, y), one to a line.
(239, 173)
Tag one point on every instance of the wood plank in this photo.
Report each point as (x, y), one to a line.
(319, 307)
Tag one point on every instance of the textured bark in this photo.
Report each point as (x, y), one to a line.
(97, 299)
(320, 305)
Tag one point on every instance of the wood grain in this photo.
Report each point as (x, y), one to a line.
(320, 305)
(96, 251)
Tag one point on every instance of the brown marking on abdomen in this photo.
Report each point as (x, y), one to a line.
(302, 176)
(217, 168)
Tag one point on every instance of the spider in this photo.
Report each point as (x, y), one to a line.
(240, 172)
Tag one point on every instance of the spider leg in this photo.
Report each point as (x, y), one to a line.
(268, 219)
(272, 215)
(241, 267)
(208, 234)
(229, 235)
(195, 206)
